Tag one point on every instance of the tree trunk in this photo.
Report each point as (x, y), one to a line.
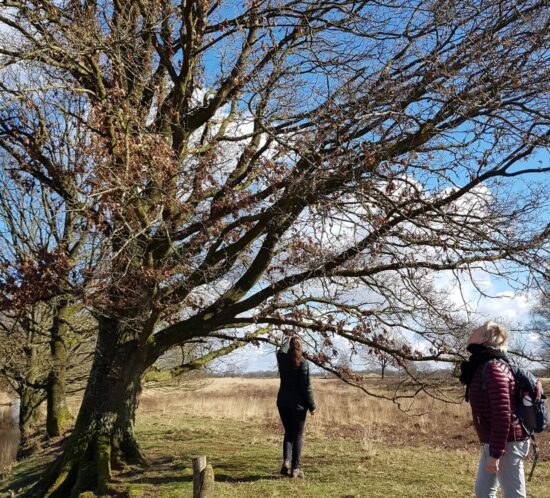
(57, 413)
(29, 401)
(103, 435)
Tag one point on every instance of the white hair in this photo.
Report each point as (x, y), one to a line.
(496, 336)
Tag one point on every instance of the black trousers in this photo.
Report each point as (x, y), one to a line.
(294, 421)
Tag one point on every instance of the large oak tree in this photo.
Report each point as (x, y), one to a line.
(294, 165)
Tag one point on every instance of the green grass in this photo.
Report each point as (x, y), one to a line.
(246, 460)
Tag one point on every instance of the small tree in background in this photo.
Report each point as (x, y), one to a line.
(382, 360)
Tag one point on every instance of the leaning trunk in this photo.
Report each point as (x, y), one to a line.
(102, 436)
(57, 413)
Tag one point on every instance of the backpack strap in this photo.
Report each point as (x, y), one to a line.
(484, 368)
(536, 455)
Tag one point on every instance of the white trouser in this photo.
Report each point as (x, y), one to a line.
(510, 474)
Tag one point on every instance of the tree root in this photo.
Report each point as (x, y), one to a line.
(86, 465)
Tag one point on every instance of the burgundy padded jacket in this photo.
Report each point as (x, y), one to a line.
(493, 408)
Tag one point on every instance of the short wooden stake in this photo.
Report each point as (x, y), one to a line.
(203, 478)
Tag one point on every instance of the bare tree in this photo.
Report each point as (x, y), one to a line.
(300, 165)
(540, 314)
(380, 359)
(40, 245)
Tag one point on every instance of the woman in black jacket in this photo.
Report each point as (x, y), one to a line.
(294, 399)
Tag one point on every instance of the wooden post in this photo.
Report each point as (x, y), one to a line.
(203, 478)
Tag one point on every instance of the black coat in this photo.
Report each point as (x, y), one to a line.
(295, 389)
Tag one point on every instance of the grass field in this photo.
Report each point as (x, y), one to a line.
(355, 446)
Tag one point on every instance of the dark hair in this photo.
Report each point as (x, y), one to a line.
(295, 351)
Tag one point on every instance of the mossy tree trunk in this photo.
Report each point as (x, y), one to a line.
(57, 412)
(31, 395)
(103, 435)
(30, 399)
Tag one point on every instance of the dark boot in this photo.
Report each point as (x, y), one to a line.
(285, 469)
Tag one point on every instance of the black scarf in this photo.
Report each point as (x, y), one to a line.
(480, 355)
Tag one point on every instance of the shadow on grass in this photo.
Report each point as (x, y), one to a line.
(220, 477)
(168, 471)
(163, 470)
(23, 479)
(28, 472)
(159, 480)
(232, 472)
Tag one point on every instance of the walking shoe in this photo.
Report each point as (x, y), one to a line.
(297, 473)
(285, 469)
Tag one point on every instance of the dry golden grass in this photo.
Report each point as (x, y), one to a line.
(342, 411)
(5, 398)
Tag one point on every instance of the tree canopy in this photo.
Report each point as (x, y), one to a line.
(276, 165)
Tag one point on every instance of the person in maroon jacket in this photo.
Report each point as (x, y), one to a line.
(505, 442)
